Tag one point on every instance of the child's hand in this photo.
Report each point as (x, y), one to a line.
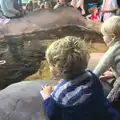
(47, 90)
(107, 75)
(61, 80)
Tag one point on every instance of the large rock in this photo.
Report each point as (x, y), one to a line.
(22, 101)
(43, 23)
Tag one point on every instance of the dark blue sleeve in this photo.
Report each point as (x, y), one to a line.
(51, 108)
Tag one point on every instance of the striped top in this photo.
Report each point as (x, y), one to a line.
(68, 92)
(81, 98)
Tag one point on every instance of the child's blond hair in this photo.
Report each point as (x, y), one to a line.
(111, 26)
(69, 56)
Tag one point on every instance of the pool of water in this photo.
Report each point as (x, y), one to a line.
(44, 74)
(25, 59)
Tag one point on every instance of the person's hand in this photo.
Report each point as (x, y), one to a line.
(47, 90)
(107, 75)
(61, 80)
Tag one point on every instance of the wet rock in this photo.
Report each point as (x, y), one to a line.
(22, 101)
(43, 24)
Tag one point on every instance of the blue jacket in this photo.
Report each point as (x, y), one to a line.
(80, 99)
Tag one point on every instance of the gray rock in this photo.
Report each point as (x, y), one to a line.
(22, 101)
(44, 20)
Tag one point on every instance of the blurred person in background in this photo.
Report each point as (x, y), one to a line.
(11, 8)
(109, 9)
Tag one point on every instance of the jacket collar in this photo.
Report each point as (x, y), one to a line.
(113, 42)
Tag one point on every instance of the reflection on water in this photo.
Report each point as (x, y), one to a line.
(16, 49)
(26, 59)
(3, 48)
(22, 58)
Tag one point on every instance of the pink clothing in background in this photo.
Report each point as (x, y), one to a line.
(80, 4)
(107, 5)
(77, 4)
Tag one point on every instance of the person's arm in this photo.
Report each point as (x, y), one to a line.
(88, 17)
(80, 4)
(50, 108)
(117, 64)
(104, 63)
(10, 7)
(110, 10)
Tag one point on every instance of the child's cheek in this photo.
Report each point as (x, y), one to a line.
(106, 39)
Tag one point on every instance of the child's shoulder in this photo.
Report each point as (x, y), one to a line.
(81, 86)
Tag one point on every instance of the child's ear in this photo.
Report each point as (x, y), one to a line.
(53, 71)
(113, 36)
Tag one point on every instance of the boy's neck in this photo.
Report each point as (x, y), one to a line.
(73, 76)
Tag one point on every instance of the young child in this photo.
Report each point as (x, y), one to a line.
(79, 96)
(111, 35)
(109, 8)
(94, 14)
